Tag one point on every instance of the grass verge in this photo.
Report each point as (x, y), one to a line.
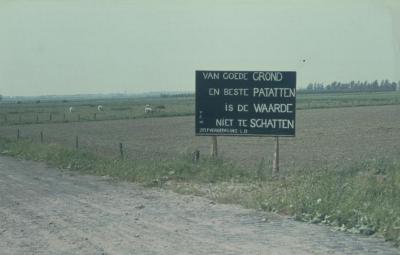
(146, 172)
(362, 198)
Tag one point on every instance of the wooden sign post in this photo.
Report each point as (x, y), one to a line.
(214, 147)
(275, 160)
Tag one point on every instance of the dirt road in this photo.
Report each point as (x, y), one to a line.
(49, 211)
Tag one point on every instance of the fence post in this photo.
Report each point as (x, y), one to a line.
(18, 134)
(275, 162)
(214, 147)
(37, 117)
(41, 136)
(94, 116)
(51, 117)
(121, 151)
(76, 142)
(196, 156)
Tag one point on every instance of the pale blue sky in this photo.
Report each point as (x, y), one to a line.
(82, 46)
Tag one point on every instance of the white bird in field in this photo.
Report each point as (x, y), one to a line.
(148, 109)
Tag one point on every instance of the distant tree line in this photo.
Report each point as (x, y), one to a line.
(177, 95)
(353, 86)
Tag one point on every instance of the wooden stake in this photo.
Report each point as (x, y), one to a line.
(18, 134)
(41, 136)
(275, 162)
(195, 156)
(214, 147)
(94, 116)
(121, 151)
(76, 142)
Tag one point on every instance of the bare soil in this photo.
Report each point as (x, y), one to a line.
(52, 211)
(325, 137)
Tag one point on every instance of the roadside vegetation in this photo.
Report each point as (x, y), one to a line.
(360, 198)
